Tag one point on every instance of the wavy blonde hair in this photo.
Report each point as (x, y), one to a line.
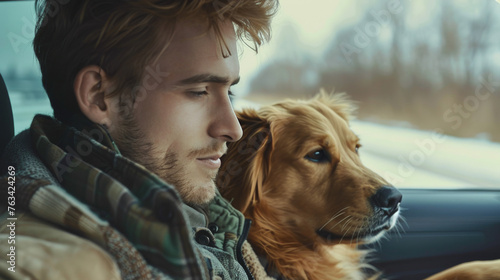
(123, 37)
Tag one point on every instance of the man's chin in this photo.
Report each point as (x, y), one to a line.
(198, 195)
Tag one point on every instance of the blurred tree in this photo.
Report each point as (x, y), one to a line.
(292, 72)
(412, 62)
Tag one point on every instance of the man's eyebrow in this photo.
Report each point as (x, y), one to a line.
(208, 78)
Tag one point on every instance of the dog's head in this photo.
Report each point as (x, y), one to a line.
(297, 166)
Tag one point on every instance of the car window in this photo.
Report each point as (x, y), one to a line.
(19, 66)
(425, 76)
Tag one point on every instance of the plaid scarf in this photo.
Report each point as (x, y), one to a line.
(130, 212)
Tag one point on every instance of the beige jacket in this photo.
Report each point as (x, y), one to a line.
(51, 253)
(44, 250)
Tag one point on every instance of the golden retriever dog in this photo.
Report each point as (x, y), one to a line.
(297, 174)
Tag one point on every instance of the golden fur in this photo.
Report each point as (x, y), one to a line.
(476, 270)
(267, 177)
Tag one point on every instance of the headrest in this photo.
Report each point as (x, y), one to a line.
(6, 117)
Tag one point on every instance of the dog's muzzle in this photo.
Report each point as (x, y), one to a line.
(385, 203)
(387, 200)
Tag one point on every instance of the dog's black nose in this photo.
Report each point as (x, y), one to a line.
(387, 199)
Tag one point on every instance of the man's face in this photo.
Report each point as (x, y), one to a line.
(179, 127)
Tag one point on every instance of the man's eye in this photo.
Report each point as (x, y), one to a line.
(198, 93)
(318, 156)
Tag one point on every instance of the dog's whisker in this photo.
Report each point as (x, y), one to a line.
(359, 231)
(403, 219)
(399, 232)
(339, 222)
(357, 235)
(329, 221)
(345, 234)
(400, 228)
(340, 241)
(351, 217)
(339, 213)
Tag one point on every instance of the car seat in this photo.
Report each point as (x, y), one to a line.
(6, 117)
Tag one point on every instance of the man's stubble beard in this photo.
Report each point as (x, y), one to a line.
(133, 145)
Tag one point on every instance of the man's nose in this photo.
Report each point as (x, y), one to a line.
(225, 126)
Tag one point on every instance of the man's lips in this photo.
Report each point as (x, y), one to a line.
(212, 161)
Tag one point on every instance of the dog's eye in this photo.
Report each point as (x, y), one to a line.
(318, 156)
(357, 147)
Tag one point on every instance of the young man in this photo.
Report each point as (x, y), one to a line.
(120, 185)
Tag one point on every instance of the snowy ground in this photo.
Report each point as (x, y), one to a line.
(413, 158)
(405, 157)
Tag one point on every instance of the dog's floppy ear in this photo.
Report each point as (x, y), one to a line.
(246, 165)
(338, 102)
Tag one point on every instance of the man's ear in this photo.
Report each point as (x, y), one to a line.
(90, 87)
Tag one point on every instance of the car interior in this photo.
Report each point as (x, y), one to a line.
(441, 227)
